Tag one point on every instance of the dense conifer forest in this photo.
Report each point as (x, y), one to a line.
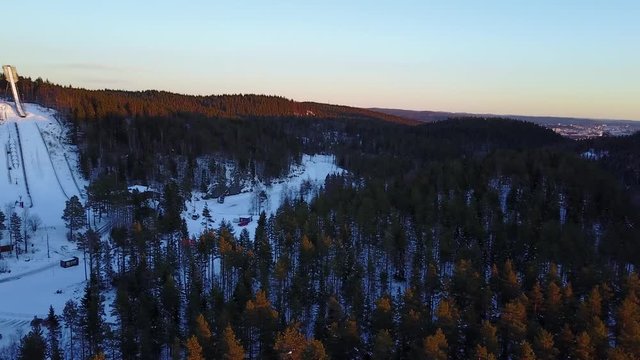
(463, 239)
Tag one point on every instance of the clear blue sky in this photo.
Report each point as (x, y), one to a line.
(542, 57)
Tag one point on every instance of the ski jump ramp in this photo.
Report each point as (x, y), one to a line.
(11, 75)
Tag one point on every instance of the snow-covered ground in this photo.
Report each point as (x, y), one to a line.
(311, 172)
(36, 160)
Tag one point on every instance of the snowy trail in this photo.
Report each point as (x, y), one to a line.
(34, 271)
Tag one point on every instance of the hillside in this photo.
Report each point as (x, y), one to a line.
(343, 237)
(83, 104)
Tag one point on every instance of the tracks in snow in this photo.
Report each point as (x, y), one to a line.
(55, 172)
(24, 172)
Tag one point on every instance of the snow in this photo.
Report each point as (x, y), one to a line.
(592, 154)
(36, 279)
(140, 188)
(312, 172)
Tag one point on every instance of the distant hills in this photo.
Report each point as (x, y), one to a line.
(431, 116)
(574, 128)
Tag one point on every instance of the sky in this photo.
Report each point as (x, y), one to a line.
(546, 57)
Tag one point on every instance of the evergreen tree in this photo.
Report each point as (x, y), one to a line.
(172, 206)
(513, 322)
(436, 346)
(263, 251)
(482, 353)
(262, 317)
(15, 230)
(70, 317)
(33, 345)
(52, 322)
(584, 349)
(315, 351)
(526, 351)
(194, 350)
(73, 215)
(383, 346)
(291, 344)
(92, 319)
(628, 323)
(544, 346)
(231, 347)
(207, 219)
(205, 338)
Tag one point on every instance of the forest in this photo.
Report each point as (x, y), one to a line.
(469, 238)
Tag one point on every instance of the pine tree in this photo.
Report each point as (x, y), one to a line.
(482, 353)
(92, 321)
(314, 351)
(206, 217)
(584, 349)
(509, 283)
(73, 215)
(70, 317)
(263, 251)
(262, 317)
(447, 315)
(488, 337)
(382, 318)
(526, 351)
(435, 346)
(544, 345)
(15, 230)
(513, 322)
(290, 343)
(52, 323)
(628, 323)
(382, 346)
(194, 350)
(33, 345)
(231, 347)
(205, 338)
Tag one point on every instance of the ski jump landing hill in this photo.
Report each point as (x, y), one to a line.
(38, 174)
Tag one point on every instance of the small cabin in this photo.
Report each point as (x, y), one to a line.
(244, 221)
(74, 261)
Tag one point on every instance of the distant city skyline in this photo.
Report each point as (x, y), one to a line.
(555, 58)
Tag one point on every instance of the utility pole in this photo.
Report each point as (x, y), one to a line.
(48, 255)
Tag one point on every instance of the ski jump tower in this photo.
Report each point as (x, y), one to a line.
(11, 75)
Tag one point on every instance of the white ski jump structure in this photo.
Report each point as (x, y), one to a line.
(11, 75)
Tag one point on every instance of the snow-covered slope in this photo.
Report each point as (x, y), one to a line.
(37, 175)
(309, 175)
